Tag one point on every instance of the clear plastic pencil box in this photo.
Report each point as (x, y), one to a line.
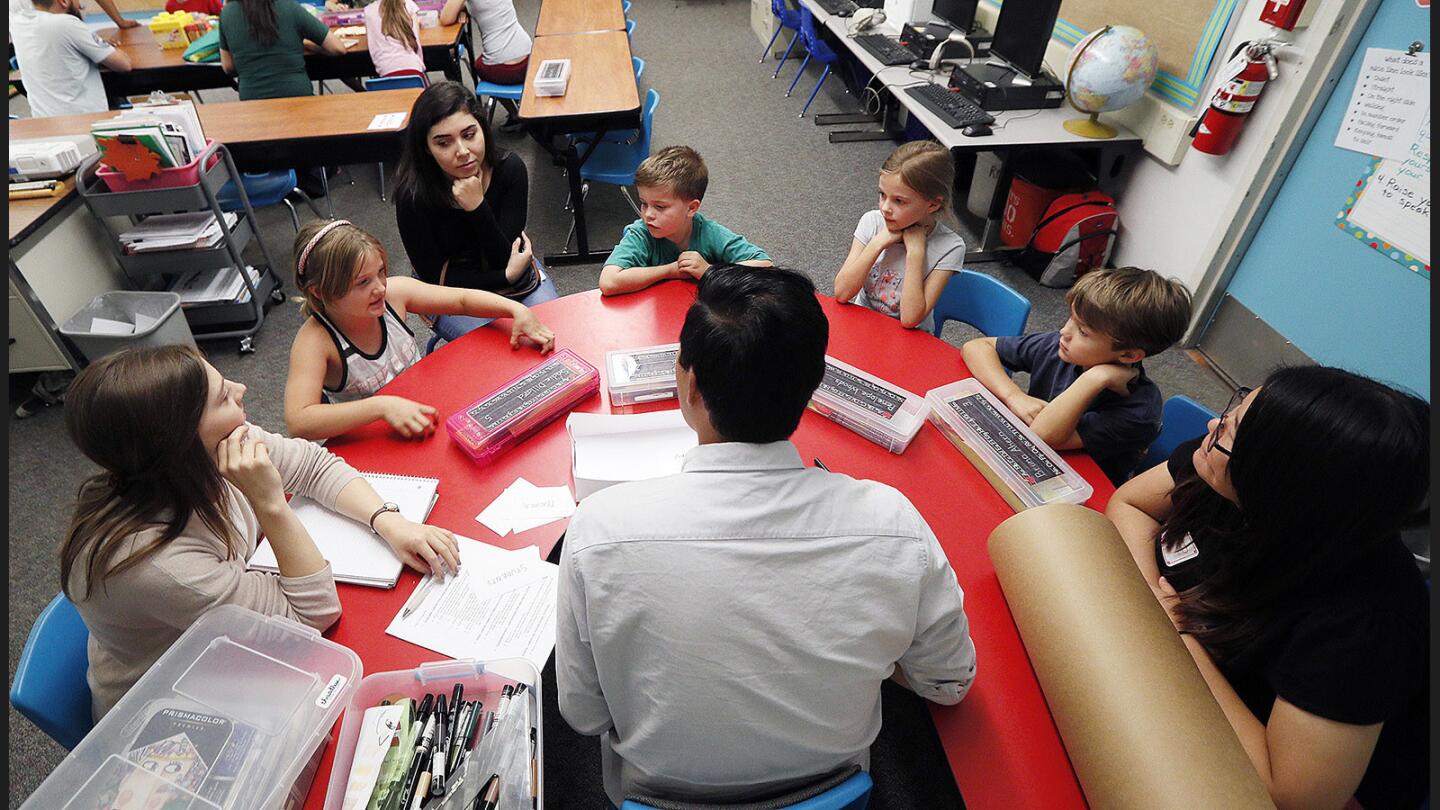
(882, 412)
(520, 407)
(1021, 467)
(641, 375)
(482, 680)
(234, 716)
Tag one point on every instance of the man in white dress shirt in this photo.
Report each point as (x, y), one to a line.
(726, 630)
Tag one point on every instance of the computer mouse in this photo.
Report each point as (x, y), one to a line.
(977, 131)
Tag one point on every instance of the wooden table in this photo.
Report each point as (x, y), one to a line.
(1001, 743)
(276, 133)
(602, 96)
(579, 17)
(29, 214)
(156, 68)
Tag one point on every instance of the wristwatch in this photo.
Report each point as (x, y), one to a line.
(388, 506)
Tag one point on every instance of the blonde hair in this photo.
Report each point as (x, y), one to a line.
(678, 167)
(332, 262)
(926, 167)
(1137, 308)
(395, 22)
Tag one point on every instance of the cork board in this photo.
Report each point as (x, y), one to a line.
(1186, 32)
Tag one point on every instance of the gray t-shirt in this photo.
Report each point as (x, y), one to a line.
(60, 57)
(944, 250)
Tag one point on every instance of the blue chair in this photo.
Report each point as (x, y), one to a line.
(816, 49)
(615, 163)
(625, 7)
(270, 188)
(619, 136)
(629, 29)
(491, 91)
(1184, 419)
(50, 687)
(984, 302)
(848, 789)
(391, 83)
(786, 19)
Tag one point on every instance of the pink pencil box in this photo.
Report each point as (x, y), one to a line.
(522, 406)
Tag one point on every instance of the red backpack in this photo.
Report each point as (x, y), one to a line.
(1072, 238)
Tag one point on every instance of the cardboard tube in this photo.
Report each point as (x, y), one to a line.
(1140, 725)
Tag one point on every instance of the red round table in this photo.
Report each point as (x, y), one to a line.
(1003, 748)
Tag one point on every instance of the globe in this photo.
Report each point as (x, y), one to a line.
(1108, 70)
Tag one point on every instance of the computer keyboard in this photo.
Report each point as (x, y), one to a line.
(838, 8)
(888, 51)
(953, 107)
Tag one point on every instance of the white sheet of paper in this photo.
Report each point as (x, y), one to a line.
(106, 326)
(143, 322)
(523, 506)
(1388, 104)
(393, 120)
(1396, 202)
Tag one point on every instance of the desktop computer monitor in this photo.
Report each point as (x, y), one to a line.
(959, 14)
(1023, 31)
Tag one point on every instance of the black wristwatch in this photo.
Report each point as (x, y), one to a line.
(384, 507)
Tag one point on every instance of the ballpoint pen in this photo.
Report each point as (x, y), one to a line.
(440, 749)
(821, 464)
(456, 702)
(416, 598)
(463, 721)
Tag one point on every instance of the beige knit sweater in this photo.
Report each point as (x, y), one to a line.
(135, 616)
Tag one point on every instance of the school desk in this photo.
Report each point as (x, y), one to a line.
(156, 68)
(1002, 745)
(601, 96)
(579, 17)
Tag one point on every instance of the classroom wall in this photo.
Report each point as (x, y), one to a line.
(1172, 216)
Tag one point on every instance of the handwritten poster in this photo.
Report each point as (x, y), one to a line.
(1390, 207)
(1390, 100)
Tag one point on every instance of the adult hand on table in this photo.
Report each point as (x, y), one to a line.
(408, 418)
(427, 549)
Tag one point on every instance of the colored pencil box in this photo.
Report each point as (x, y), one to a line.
(522, 406)
(642, 375)
(882, 412)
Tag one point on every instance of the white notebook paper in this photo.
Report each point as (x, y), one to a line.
(357, 555)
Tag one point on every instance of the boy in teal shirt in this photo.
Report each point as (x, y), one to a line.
(672, 239)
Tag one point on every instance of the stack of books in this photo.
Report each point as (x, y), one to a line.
(176, 232)
(221, 285)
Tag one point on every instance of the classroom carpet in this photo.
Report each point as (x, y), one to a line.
(774, 177)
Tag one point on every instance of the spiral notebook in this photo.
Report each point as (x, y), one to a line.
(356, 554)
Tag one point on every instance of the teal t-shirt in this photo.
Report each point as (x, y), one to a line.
(713, 241)
(276, 70)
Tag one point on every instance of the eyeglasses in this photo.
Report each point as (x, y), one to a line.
(1235, 399)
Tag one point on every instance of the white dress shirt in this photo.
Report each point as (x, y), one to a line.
(727, 629)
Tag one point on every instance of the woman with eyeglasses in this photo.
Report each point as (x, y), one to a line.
(1273, 543)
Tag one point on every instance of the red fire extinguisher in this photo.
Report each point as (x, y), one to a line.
(1242, 81)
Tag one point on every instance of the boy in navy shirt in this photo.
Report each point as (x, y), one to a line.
(1087, 387)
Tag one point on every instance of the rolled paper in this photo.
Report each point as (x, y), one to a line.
(1136, 717)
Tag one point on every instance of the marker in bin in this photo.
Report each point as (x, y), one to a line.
(522, 406)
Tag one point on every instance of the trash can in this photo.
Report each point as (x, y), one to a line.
(154, 319)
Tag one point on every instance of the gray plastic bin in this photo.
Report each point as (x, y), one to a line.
(169, 328)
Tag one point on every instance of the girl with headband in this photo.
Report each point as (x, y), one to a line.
(185, 487)
(356, 340)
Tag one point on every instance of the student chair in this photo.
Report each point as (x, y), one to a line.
(391, 83)
(786, 19)
(270, 188)
(816, 49)
(491, 91)
(50, 687)
(618, 136)
(630, 29)
(625, 7)
(1184, 419)
(984, 302)
(848, 789)
(615, 163)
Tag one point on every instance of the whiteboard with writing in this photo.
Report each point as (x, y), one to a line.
(1394, 205)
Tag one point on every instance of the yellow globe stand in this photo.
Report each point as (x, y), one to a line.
(1086, 127)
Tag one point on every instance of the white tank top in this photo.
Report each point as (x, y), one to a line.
(361, 375)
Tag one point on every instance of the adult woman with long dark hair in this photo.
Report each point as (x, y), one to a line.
(161, 534)
(1273, 543)
(461, 203)
(264, 42)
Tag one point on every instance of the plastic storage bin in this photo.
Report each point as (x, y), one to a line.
(169, 29)
(169, 326)
(641, 375)
(176, 177)
(880, 411)
(481, 680)
(1023, 469)
(233, 716)
(523, 405)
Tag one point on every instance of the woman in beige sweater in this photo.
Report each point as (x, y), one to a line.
(161, 534)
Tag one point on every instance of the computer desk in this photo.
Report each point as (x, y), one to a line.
(1015, 132)
(58, 260)
(1001, 743)
(156, 68)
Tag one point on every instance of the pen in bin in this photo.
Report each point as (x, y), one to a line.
(456, 701)
(420, 764)
(438, 752)
(463, 719)
(489, 797)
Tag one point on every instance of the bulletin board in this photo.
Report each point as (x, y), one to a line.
(1186, 33)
